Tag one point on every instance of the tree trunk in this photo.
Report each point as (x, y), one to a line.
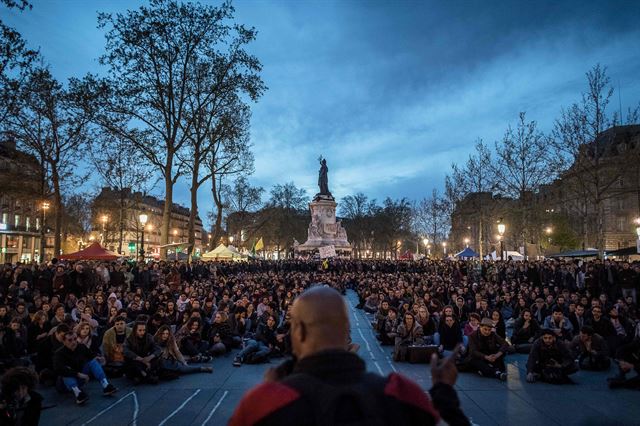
(166, 212)
(121, 221)
(57, 206)
(217, 226)
(480, 235)
(191, 232)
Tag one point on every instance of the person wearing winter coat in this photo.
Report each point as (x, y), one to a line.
(171, 359)
(550, 360)
(409, 332)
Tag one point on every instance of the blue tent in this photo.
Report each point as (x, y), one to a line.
(467, 253)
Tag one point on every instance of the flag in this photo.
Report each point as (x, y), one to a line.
(259, 245)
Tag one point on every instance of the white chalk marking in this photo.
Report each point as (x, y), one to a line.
(186, 401)
(135, 408)
(224, 395)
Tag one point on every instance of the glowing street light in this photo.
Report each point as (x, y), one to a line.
(501, 228)
(466, 242)
(143, 221)
(104, 220)
(444, 248)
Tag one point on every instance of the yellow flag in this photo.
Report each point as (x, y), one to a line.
(259, 244)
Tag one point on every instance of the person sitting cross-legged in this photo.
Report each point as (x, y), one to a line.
(171, 360)
(628, 359)
(389, 330)
(408, 333)
(74, 363)
(257, 350)
(487, 351)
(550, 360)
(113, 346)
(141, 355)
(591, 350)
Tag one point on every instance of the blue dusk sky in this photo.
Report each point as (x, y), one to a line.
(390, 92)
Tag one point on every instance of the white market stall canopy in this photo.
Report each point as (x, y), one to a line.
(223, 252)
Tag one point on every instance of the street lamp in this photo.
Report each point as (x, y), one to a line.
(104, 220)
(444, 248)
(143, 221)
(43, 241)
(231, 239)
(501, 228)
(466, 242)
(548, 230)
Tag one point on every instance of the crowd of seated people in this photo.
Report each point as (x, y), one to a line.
(149, 321)
(564, 316)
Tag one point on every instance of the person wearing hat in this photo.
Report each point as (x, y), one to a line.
(487, 351)
(550, 360)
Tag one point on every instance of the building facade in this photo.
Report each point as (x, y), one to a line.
(21, 204)
(109, 220)
(605, 177)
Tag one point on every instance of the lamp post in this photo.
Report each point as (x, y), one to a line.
(104, 220)
(501, 228)
(231, 239)
(43, 232)
(548, 230)
(143, 221)
(466, 242)
(425, 241)
(444, 248)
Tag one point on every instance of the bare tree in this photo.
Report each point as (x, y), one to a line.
(430, 217)
(523, 165)
(51, 124)
(16, 61)
(229, 156)
(358, 211)
(123, 169)
(477, 175)
(153, 56)
(582, 149)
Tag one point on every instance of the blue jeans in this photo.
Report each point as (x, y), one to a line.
(254, 346)
(173, 365)
(92, 368)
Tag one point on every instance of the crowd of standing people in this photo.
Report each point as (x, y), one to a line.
(63, 323)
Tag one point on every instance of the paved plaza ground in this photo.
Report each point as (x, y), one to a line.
(209, 399)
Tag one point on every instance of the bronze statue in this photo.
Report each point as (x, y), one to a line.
(323, 180)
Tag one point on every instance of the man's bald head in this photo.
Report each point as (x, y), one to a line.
(319, 321)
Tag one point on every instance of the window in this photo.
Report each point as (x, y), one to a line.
(621, 224)
(27, 223)
(5, 217)
(17, 221)
(37, 223)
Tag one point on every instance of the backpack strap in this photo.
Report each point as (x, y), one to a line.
(363, 399)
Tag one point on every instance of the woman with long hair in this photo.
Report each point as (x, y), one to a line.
(84, 331)
(171, 359)
(408, 333)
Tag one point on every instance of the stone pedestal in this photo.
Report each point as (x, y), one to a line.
(324, 230)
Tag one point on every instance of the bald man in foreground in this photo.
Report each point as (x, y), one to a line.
(328, 385)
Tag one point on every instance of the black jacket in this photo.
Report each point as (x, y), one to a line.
(302, 396)
(68, 363)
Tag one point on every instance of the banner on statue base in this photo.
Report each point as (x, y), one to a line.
(327, 251)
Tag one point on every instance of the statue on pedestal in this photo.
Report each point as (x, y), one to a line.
(323, 179)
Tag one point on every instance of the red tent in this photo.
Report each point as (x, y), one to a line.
(94, 252)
